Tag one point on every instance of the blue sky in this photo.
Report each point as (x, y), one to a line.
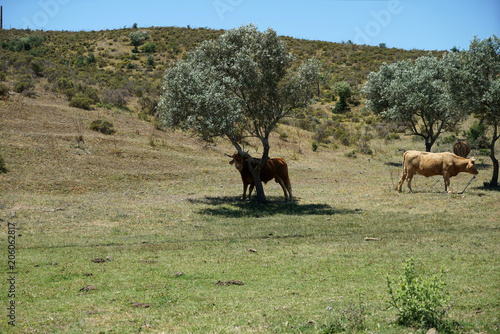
(407, 24)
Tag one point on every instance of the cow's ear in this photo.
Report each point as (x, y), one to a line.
(231, 162)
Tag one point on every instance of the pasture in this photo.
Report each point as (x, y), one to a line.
(164, 215)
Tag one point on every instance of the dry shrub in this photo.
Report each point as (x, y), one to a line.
(115, 97)
(103, 126)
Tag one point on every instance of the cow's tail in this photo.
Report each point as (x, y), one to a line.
(288, 184)
(286, 179)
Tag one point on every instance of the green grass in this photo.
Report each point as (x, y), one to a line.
(174, 208)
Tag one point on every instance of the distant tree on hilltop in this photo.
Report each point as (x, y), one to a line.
(137, 38)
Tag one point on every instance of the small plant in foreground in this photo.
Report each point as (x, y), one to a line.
(418, 301)
(352, 319)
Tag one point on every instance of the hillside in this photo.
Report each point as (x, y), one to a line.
(106, 60)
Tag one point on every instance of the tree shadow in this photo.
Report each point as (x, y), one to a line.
(487, 187)
(395, 164)
(234, 207)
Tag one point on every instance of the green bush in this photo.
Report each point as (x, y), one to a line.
(81, 101)
(4, 91)
(314, 145)
(150, 61)
(418, 301)
(102, 126)
(24, 83)
(149, 47)
(477, 136)
(392, 136)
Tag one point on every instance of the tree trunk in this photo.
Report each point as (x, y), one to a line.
(428, 146)
(494, 178)
(261, 196)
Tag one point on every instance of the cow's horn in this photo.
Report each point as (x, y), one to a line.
(473, 159)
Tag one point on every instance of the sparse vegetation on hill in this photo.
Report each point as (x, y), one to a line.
(110, 59)
(124, 69)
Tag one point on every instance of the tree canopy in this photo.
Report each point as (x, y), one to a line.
(415, 94)
(476, 88)
(238, 85)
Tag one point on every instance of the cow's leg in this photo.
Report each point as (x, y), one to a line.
(402, 180)
(245, 186)
(446, 178)
(409, 178)
(250, 191)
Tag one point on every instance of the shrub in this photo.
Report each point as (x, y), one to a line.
(477, 136)
(24, 83)
(392, 136)
(103, 126)
(150, 61)
(3, 168)
(81, 101)
(351, 154)
(115, 97)
(90, 59)
(418, 301)
(148, 105)
(351, 320)
(149, 47)
(4, 91)
(322, 133)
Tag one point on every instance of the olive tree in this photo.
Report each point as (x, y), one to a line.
(415, 94)
(137, 38)
(343, 91)
(476, 88)
(238, 85)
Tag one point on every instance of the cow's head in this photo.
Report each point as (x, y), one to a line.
(471, 166)
(237, 160)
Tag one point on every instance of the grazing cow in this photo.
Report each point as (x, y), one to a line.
(429, 164)
(274, 168)
(461, 148)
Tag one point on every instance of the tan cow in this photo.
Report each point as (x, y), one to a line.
(430, 164)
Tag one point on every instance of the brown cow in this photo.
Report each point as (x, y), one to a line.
(461, 148)
(429, 164)
(274, 168)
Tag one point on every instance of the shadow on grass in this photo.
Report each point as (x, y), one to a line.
(394, 164)
(487, 187)
(234, 207)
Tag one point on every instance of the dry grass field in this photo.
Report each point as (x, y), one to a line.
(163, 213)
